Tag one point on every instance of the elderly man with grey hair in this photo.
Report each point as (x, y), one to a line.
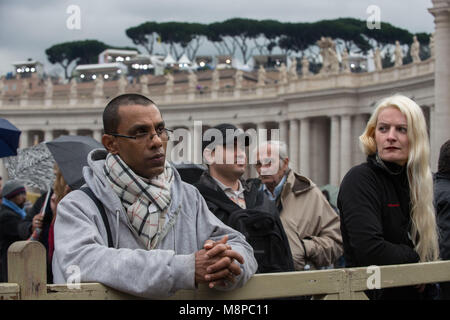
(312, 226)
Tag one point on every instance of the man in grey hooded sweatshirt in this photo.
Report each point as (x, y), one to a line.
(164, 236)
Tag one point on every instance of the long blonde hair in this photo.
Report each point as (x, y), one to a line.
(423, 229)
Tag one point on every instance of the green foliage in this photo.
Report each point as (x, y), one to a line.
(77, 52)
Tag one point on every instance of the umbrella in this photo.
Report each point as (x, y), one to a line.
(189, 172)
(70, 153)
(9, 138)
(32, 165)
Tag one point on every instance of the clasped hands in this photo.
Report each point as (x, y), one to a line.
(214, 264)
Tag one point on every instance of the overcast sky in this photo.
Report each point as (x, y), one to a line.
(28, 27)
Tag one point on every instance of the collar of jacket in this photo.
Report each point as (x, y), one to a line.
(208, 181)
(296, 184)
(206, 184)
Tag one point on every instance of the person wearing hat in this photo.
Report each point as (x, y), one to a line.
(229, 196)
(13, 226)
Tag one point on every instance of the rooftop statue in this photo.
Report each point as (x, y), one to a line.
(293, 69)
(238, 78)
(415, 49)
(98, 90)
(122, 84)
(169, 83)
(398, 53)
(283, 73)
(305, 67)
(377, 60)
(345, 62)
(261, 76)
(215, 80)
(48, 88)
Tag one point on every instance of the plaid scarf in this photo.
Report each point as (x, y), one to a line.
(146, 201)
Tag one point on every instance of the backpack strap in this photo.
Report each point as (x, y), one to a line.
(101, 209)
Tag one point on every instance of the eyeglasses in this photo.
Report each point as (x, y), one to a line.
(163, 134)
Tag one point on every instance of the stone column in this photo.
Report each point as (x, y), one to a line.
(3, 172)
(72, 132)
(360, 122)
(441, 130)
(305, 149)
(261, 129)
(293, 144)
(24, 139)
(196, 143)
(97, 135)
(48, 135)
(335, 151)
(283, 126)
(345, 146)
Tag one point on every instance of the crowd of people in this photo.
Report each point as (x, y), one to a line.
(137, 227)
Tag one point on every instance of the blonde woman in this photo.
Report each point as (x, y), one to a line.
(386, 203)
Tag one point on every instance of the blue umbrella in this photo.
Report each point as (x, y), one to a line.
(9, 138)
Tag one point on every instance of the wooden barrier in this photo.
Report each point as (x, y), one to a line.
(28, 280)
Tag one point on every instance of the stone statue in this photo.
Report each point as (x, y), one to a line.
(305, 67)
(73, 89)
(329, 56)
(415, 49)
(293, 70)
(238, 78)
(334, 60)
(283, 74)
(144, 84)
(215, 80)
(122, 84)
(98, 90)
(261, 76)
(48, 88)
(2, 86)
(169, 83)
(398, 53)
(431, 45)
(25, 89)
(192, 81)
(345, 62)
(377, 60)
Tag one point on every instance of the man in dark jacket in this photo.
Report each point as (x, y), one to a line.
(442, 205)
(13, 226)
(226, 193)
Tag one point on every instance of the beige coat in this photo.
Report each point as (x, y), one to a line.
(310, 223)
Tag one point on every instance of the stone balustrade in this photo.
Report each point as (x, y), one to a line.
(85, 98)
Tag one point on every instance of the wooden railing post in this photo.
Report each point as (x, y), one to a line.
(27, 267)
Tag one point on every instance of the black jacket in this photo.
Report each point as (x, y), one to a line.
(259, 222)
(12, 228)
(219, 203)
(442, 205)
(374, 205)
